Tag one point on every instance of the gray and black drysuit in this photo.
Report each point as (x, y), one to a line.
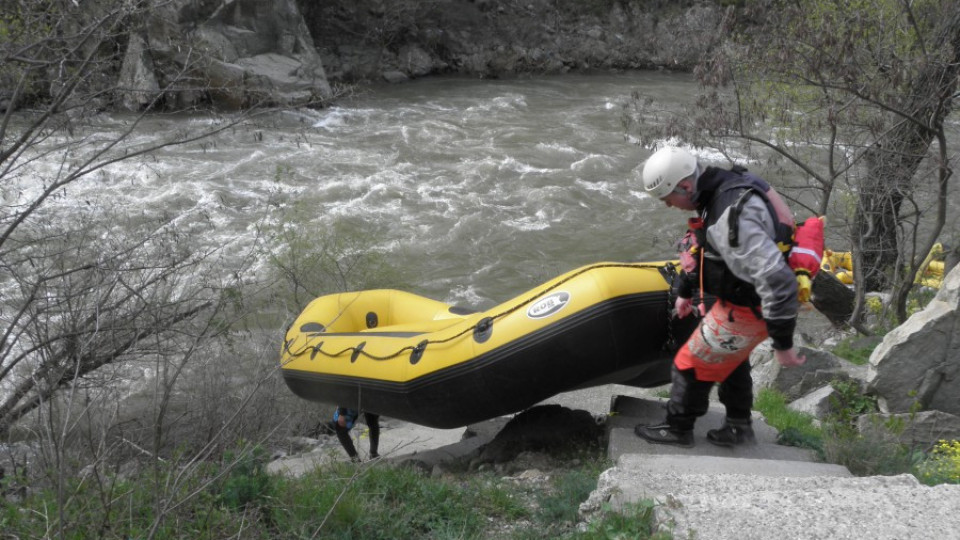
(743, 266)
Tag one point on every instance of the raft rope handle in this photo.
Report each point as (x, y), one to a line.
(486, 320)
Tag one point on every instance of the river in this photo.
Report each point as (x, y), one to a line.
(476, 190)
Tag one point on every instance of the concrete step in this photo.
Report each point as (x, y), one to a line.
(761, 491)
(627, 412)
(769, 499)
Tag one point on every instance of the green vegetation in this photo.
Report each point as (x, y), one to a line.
(236, 497)
(837, 438)
(634, 521)
(848, 403)
(876, 453)
(247, 481)
(855, 350)
(942, 465)
(343, 501)
(795, 428)
(572, 488)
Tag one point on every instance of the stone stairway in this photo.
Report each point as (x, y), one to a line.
(763, 491)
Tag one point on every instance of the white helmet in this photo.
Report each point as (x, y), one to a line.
(666, 168)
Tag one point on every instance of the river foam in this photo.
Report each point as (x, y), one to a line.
(477, 190)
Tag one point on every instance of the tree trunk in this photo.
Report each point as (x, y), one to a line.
(893, 160)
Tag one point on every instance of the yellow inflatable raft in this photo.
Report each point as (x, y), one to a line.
(420, 360)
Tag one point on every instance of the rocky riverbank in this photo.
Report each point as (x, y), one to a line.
(371, 40)
(184, 54)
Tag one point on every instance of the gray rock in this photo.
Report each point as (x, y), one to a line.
(917, 430)
(137, 85)
(415, 61)
(245, 52)
(487, 429)
(917, 365)
(816, 403)
(394, 77)
(545, 428)
(216, 45)
(820, 369)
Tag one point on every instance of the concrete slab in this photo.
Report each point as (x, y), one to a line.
(689, 465)
(754, 492)
(627, 412)
(776, 500)
(667, 479)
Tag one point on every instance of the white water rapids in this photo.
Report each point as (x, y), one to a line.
(476, 190)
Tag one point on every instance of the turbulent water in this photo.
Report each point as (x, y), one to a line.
(477, 190)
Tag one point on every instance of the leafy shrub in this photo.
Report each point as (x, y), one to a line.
(247, 483)
(867, 455)
(942, 466)
(848, 402)
(838, 440)
(876, 452)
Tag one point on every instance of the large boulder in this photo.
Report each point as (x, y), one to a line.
(917, 364)
(917, 430)
(821, 368)
(237, 54)
(551, 429)
(137, 86)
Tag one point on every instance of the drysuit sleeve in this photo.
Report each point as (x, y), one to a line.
(758, 261)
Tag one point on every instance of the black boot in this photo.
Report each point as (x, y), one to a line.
(732, 433)
(664, 434)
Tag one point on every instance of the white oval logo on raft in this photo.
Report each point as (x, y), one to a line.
(548, 305)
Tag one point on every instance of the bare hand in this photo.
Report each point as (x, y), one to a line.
(683, 306)
(789, 358)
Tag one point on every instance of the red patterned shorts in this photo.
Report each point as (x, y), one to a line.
(722, 341)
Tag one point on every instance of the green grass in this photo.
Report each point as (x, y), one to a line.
(236, 497)
(343, 501)
(795, 428)
(633, 521)
(838, 440)
(384, 502)
(563, 502)
(856, 350)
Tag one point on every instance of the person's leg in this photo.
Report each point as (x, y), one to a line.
(343, 434)
(689, 399)
(373, 424)
(736, 394)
